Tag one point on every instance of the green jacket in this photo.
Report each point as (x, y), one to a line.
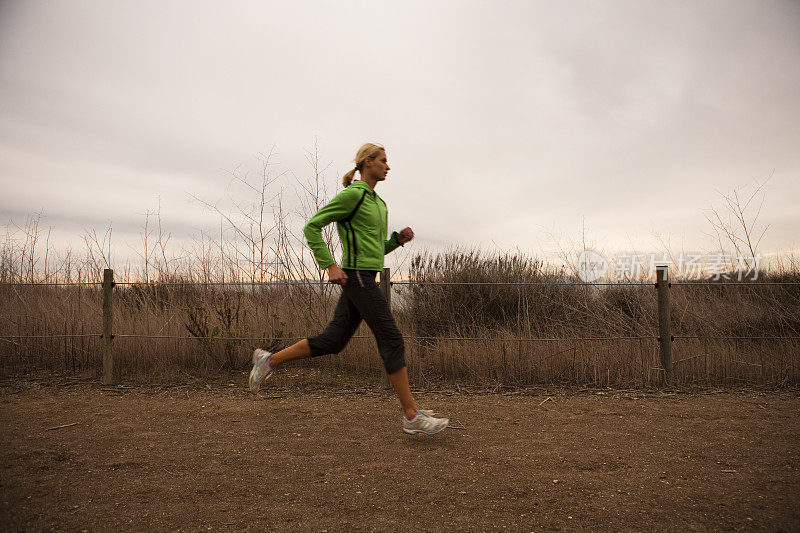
(361, 219)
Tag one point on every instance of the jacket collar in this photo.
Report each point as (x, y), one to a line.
(361, 184)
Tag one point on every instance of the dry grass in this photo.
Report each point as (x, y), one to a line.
(514, 335)
(498, 316)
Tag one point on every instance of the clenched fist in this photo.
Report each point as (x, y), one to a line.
(405, 235)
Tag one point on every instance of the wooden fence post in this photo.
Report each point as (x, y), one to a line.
(664, 325)
(386, 289)
(108, 319)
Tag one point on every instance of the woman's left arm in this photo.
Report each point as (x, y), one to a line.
(398, 239)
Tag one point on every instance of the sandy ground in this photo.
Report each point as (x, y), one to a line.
(190, 459)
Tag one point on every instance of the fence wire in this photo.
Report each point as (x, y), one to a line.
(410, 337)
(393, 283)
(53, 336)
(50, 284)
(735, 337)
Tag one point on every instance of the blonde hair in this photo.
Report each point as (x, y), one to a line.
(367, 151)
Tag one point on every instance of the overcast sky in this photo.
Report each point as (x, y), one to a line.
(505, 122)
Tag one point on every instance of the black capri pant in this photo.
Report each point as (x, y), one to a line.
(362, 299)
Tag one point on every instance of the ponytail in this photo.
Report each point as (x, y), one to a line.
(347, 179)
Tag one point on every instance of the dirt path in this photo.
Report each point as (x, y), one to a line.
(148, 459)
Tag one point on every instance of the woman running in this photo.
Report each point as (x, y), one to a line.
(361, 220)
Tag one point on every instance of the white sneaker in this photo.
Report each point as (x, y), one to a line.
(424, 422)
(261, 369)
